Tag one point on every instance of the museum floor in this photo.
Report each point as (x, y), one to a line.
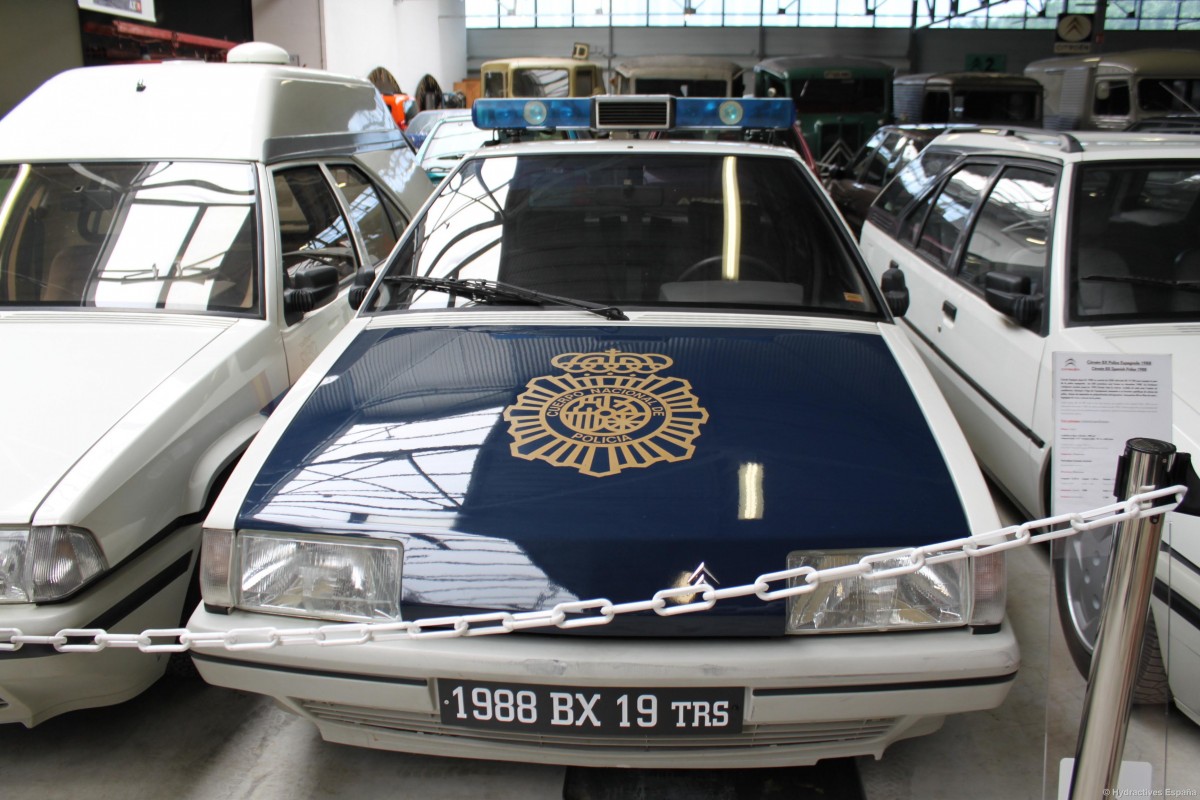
(185, 740)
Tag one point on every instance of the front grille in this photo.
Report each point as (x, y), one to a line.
(810, 734)
(645, 113)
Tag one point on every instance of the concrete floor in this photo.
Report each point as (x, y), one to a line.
(185, 740)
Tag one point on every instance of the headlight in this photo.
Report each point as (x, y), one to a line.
(328, 577)
(38, 565)
(951, 593)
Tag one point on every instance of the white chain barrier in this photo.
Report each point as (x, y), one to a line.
(575, 614)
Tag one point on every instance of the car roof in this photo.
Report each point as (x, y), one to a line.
(196, 110)
(1073, 146)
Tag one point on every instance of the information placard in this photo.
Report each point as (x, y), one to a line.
(134, 9)
(1101, 401)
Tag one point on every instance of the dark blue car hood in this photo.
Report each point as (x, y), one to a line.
(522, 467)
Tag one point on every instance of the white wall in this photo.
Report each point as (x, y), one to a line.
(294, 25)
(410, 38)
(434, 34)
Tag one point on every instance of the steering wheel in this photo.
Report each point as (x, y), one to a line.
(753, 263)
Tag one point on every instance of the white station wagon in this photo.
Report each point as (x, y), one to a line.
(1015, 245)
(167, 271)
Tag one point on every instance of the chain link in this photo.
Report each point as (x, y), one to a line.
(584, 613)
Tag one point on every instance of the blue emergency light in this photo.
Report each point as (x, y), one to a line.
(558, 112)
(614, 112)
(760, 113)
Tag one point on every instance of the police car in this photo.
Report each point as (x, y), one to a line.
(598, 382)
(166, 273)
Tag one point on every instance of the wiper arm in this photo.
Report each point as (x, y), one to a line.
(485, 291)
(1135, 280)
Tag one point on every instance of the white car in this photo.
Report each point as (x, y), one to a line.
(601, 373)
(177, 241)
(1015, 245)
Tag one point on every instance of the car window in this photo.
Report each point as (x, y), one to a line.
(949, 210)
(638, 229)
(1011, 233)
(1173, 95)
(1135, 243)
(858, 165)
(378, 226)
(876, 166)
(905, 153)
(312, 230)
(175, 236)
(1112, 98)
(541, 83)
(911, 181)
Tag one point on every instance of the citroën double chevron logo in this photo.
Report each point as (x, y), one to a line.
(607, 412)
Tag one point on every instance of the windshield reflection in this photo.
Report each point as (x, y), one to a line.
(635, 229)
(176, 236)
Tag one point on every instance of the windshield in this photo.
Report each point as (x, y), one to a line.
(823, 95)
(153, 235)
(1135, 253)
(541, 83)
(992, 105)
(1169, 95)
(635, 229)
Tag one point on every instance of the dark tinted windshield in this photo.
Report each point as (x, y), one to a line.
(637, 229)
(820, 95)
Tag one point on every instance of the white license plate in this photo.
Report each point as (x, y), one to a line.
(590, 711)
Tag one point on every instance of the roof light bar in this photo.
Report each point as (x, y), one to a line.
(622, 113)
(518, 114)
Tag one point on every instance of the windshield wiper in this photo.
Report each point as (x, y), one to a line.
(485, 291)
(1157, 283)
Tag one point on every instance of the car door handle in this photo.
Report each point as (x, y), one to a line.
(949, 310)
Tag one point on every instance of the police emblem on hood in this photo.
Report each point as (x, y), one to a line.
(607, 412)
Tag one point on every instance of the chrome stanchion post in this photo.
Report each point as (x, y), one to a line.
(1109, 696)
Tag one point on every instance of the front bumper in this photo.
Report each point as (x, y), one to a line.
(807, 698)
(37, 682)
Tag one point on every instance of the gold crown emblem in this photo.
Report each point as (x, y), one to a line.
(611, 362)
(608, 412)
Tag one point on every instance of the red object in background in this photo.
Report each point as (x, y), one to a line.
(397, 103)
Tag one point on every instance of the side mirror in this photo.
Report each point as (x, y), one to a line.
(313, 287)
(1012, 295)
(362, 284)
(895, 290)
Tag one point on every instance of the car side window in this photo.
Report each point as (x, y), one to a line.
(1112, 98)
(377, 223)
(876, 166)
(1012, 230)
(949, 211)
(909, 183)
(312, 230)
(904, 153)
